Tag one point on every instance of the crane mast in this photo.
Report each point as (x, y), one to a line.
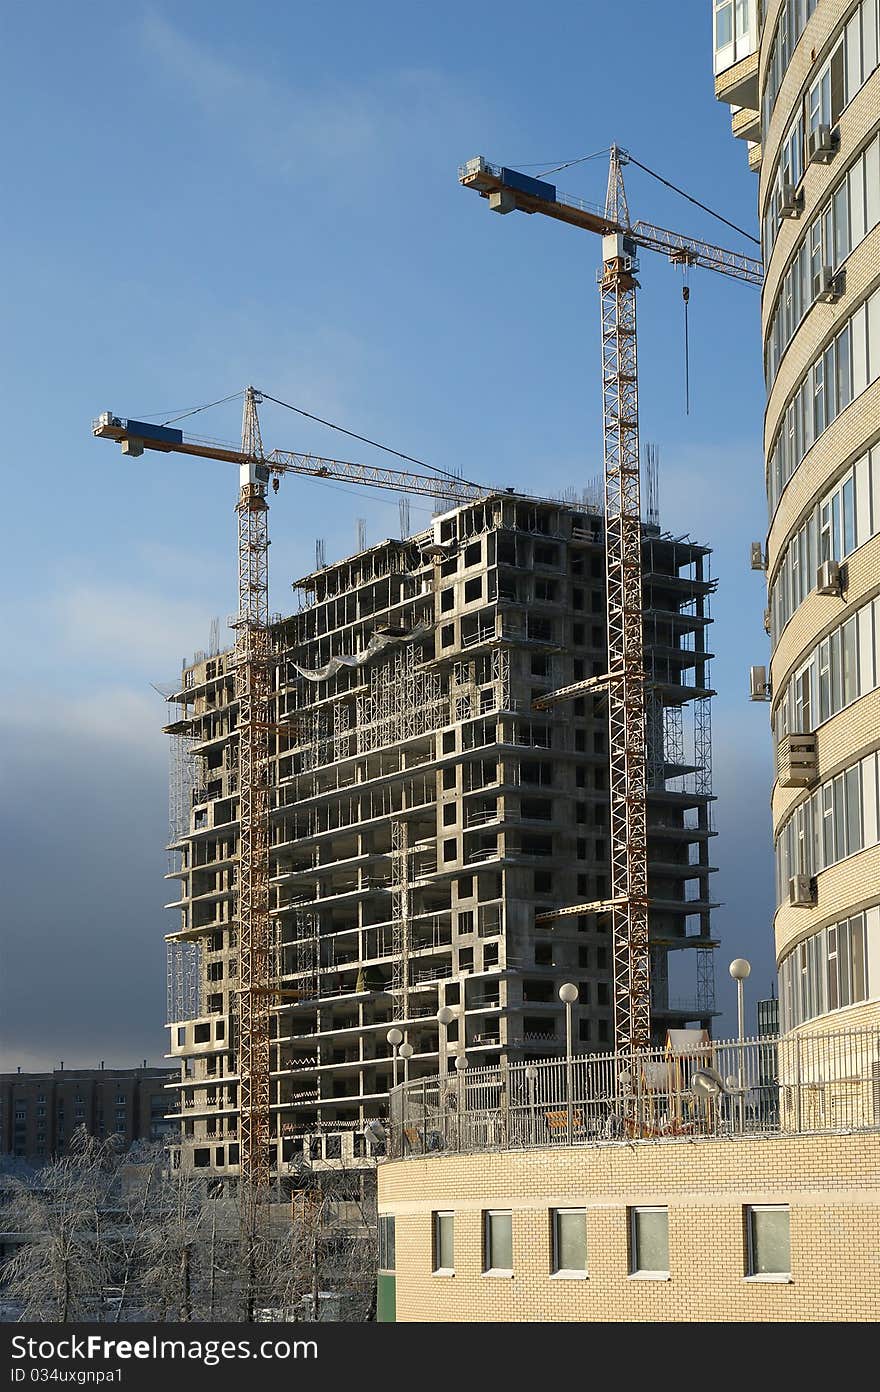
(627, 776)
(626, 680)
(253, 689)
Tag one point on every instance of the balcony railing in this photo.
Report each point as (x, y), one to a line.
(794, 1085)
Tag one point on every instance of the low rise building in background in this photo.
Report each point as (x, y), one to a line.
(39, 1112)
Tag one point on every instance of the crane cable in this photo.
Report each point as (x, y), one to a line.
(696, 202)
(685, 295)
(410, 459)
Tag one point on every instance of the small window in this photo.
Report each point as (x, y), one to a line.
(447, 600)
(498, 1243)
(569, 1235)
(449, 811)
(649, 1242)
(444, 1243)
(448, 741)
(450, 850)
(768, 1240)
(386, 1242)
(447, 635)
(473, 589)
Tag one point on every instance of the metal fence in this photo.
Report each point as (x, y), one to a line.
(766, 1086)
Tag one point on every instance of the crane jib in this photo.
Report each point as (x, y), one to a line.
(141, 430)
(524, 184)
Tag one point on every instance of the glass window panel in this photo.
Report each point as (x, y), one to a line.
(858, 980)
(444, 1241)
(724, 24)
(770, 1244)
(853, 810)
(843, 964)
(833, 984)
(872, 184)
(844, 369)
(650, 1239)
(499, 1242)
(849, 516)
(850, 662)
(839, 817)
(869, 39)
(570, 1239)
(841, 223)
(857, 202)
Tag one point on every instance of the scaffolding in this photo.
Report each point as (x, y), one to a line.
(184, 984)
(405, 700)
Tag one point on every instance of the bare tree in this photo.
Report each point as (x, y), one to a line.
(107, 1237)
(60, 1271)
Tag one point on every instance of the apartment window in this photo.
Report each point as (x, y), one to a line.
(569, 1236)
(649, 1242)
(768, 1241)
(473, 589)
(447, 635)
(386, 1242)
(449, 814)
(497, 1243)
(449, 850)
(444, 1244)
(448, 779)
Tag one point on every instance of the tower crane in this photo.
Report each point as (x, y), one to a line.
(625, 682)
(252, 660)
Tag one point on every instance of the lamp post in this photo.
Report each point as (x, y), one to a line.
(460, 1068)
(445, 1016)
(531, 1079)
(740, 969)
(568, 994)
(394, 1037)
(406, 1052)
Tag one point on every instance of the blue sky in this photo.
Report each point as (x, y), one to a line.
(200, 196)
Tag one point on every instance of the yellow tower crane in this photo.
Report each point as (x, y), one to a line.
(507, 191)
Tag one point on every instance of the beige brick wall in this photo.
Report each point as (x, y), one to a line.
(832, 1184)
(844, 888)
(820, 614)
(822, 28)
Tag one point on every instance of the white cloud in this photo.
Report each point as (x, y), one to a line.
(280, 127)
(131, 626)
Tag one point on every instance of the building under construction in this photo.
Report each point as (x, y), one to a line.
(428, 821)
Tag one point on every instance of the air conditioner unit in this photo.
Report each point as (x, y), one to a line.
(802, 891)
(821, 145)
(759, 687)
(797, 760)
(826, 286)
(828, 578)
(756, 551)
(792, 203)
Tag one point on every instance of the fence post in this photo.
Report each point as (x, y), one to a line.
(504, 1101)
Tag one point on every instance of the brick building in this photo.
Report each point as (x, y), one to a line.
(39, 1112)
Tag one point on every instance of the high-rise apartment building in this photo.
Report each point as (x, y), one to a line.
(802, 78)
(426, 820)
